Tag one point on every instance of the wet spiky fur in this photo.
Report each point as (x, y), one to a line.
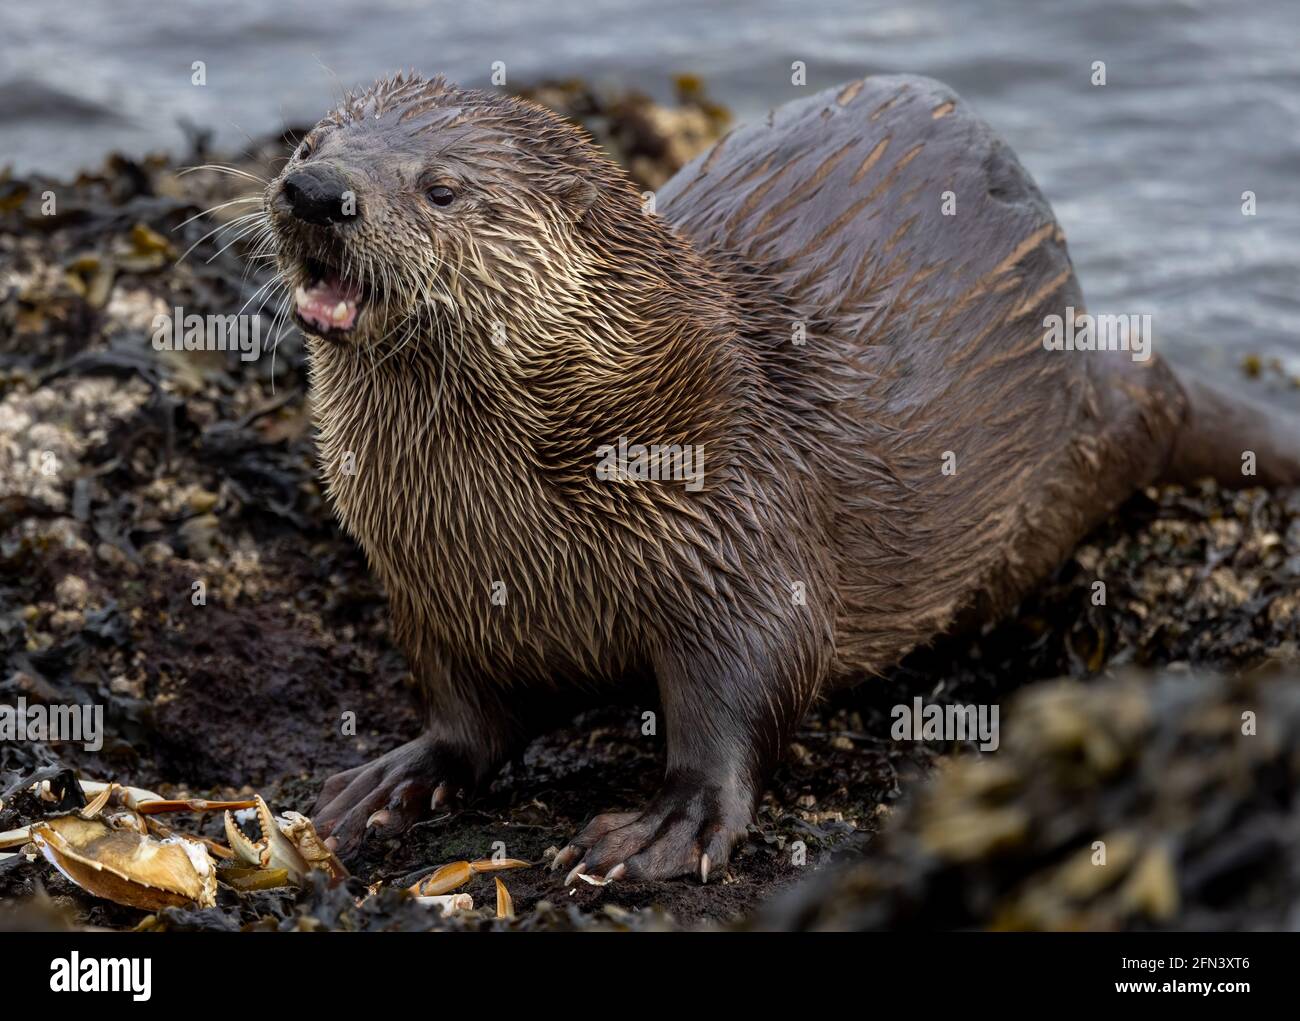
(547, 313)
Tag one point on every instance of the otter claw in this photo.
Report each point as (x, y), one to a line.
(578, 870)
(564, 856)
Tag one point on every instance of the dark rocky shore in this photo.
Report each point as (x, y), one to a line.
(128, 474)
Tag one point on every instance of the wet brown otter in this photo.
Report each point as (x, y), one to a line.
(887, 445)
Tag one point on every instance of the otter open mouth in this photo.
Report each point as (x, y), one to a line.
(328, 305)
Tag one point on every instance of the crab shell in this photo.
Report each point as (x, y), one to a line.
(128, 867)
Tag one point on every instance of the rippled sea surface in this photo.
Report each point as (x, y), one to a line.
(1202, 103)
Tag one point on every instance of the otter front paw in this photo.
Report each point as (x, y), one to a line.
(688, 829)
(387, 794)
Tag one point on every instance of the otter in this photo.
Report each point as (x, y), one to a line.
(881, 444)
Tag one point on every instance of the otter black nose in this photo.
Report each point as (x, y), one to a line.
(319, 195)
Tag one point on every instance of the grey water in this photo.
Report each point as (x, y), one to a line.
(1147, 172)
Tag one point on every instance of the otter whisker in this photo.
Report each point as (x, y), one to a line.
(427, 285)
(244, 232)
(380, 342)
(215, 230)
(282, 317)
(213, 209)
(403, 288)
(278, 299)
(223, 169)
(262, 247)
(253, 297)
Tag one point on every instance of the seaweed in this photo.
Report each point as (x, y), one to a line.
(129, 476)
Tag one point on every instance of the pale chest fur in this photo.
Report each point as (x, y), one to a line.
(475, 553)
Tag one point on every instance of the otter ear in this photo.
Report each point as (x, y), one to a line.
(577, 193)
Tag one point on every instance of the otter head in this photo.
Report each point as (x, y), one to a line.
(417, 208)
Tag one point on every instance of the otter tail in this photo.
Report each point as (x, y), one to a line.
(1236, 443)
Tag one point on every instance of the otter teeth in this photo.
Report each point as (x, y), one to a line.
(329, 304)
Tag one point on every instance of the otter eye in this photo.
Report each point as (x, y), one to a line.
(303, 150)
(441, 196)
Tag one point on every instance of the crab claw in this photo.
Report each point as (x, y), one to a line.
(458, 873)
(301, 831)
(271, 850)
(505, 903)
(137, 799)
(289, 842)
(188, 805)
